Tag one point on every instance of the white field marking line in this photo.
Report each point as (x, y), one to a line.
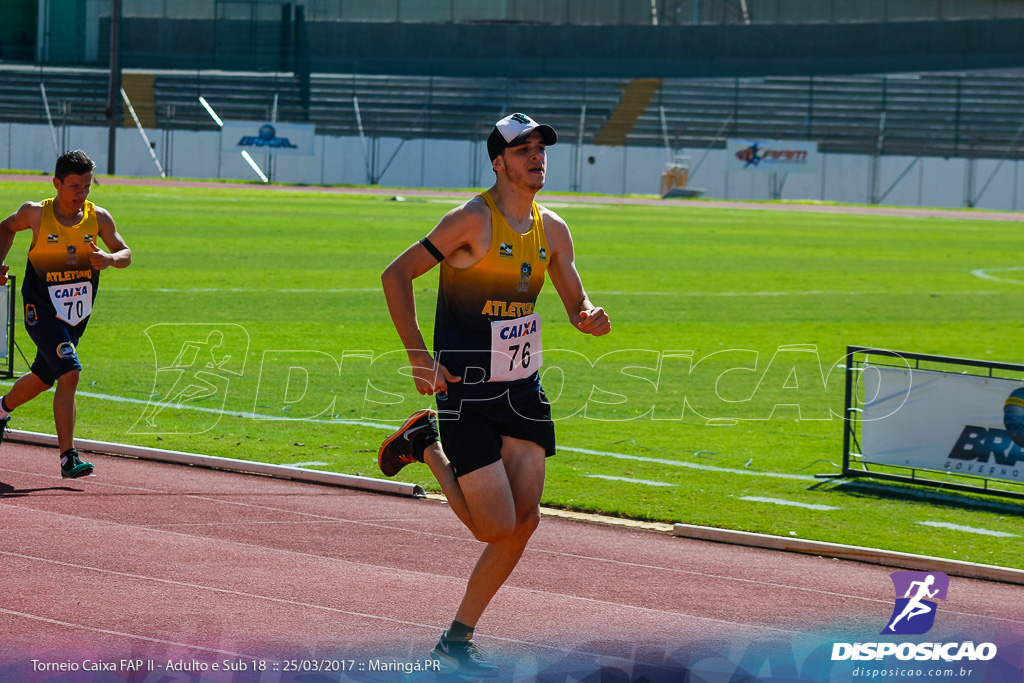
(792, 503)
(391, 428)
(311, 463)
(969, 529)
(628, 480)
(232, 413)
(121, 634)
(296, 603)
(984, 273)
(590, 558)
(683, 463)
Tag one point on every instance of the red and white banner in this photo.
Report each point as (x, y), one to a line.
(781, 156)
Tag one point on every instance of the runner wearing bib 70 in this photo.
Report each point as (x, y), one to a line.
(59, 289)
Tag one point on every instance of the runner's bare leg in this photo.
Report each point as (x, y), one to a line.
(504, 500)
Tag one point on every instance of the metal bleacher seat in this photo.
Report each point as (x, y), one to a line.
(75, 96)
(969, 114)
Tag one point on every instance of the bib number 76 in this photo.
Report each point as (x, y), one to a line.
(526, 356)
(516, 349)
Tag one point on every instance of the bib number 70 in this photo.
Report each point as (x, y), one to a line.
(73, 302)
(73, 309)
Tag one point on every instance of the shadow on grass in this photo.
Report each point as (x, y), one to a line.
(896, 492)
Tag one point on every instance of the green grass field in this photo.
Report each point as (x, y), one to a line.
(290, 280)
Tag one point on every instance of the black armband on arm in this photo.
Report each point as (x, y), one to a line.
(434, 251)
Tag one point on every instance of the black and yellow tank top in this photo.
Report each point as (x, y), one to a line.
(59, 280)
(502, 286)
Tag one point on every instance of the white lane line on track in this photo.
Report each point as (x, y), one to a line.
(969, 529)
(375, 617)
(791, 503)
(223, 591)
(122, 634)
(588, 558)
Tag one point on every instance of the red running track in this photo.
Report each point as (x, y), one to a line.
(194, 567)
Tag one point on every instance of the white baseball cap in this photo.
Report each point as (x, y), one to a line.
(513, 130)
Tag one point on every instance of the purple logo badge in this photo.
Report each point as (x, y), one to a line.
(915, 608)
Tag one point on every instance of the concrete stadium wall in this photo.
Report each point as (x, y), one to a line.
(506, 50)
(846, 178)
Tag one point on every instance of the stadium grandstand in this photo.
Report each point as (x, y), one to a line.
(945, 114)
(675, 76)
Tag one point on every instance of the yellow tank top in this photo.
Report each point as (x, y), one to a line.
(59, 272)
(503, 285)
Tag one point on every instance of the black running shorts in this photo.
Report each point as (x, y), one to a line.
(56, 345)
(471, 430)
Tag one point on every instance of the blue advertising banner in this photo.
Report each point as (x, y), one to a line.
(263, 137)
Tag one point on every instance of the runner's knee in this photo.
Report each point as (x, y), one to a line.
(528, 523)
(496, 531)
(69, 379)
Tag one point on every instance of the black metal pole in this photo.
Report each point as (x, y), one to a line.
(114, 94)
(848, 412)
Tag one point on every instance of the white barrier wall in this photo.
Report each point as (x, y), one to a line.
(847, 178)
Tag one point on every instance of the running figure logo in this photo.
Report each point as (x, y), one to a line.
(194, 367)
(914, 613)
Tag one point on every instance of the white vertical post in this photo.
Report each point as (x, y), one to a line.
(362, 137)
(49, 120)
(920, 184)
(578, 179)
(271, 158)
(746, 13)
(142, 132)
(1016, 181)
(664, 133)
(824, 174)
(969, 190)
(875, 162)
